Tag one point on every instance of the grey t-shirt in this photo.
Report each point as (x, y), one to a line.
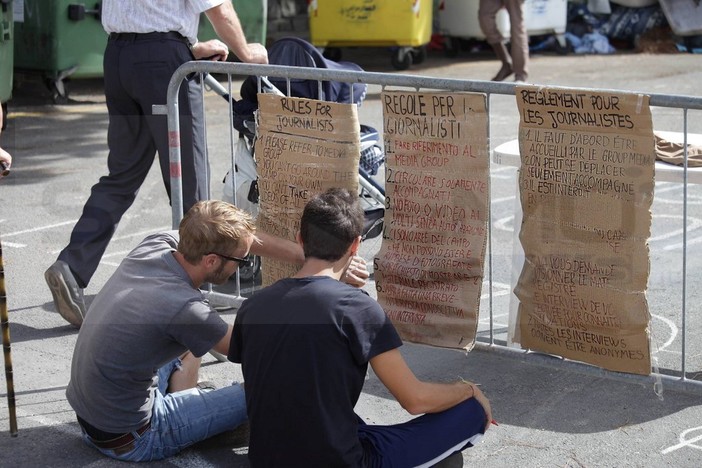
(147, 314)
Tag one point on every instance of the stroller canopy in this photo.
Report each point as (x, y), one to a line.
(293, 51)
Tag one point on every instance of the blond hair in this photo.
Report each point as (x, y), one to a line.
(213, 226)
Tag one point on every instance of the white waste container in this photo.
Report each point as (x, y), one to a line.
(458, 19)
(546, 17)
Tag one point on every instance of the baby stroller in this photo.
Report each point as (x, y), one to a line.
(293, 51)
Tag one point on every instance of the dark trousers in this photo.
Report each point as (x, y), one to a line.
(137, 70)
(426, 439)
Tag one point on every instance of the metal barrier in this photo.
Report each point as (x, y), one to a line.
(678, 380)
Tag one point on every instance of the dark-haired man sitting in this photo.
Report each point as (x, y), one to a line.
(305, 344)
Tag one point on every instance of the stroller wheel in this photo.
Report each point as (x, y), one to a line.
(419, 55)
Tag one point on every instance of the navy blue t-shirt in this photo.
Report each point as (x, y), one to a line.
(304, 345)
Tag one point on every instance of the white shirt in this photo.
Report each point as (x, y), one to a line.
(145, 16)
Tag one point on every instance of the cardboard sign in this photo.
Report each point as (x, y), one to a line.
(586, 186)
(429, 271)
(303, 147)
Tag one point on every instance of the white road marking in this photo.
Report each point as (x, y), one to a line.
(673, 331)
(503, 199)
(685, 442)
(38, 228)
(504, 224)
(499, 289)
(679, 245)
(693, 225)
(13, 244)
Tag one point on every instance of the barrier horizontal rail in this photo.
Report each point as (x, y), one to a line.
(683, 102)
(392, 79)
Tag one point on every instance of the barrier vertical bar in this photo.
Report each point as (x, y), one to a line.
(6, 348)
(174, 155)
(683, 324)
(489, 223)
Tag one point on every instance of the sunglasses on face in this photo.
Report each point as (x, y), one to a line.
(239, 260)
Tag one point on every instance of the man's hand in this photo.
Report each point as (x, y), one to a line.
(484, 402)
(5, 158)
(5, 162)
(357, 272)
(214, 50)
(257, 54)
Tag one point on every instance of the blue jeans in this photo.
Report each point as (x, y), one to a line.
(181, 419)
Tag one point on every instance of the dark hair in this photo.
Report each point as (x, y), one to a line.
(331, 221)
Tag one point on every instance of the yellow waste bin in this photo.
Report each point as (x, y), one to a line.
(405, 25)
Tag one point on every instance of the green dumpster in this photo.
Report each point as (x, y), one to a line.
(6, 50)
(253, 16)
(60, 38)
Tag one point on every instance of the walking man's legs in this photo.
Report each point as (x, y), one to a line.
(133, 83)
(517, 61)
(519, 48)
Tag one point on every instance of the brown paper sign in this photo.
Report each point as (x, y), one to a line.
(586, 186)
(430, 268)
(303, 147)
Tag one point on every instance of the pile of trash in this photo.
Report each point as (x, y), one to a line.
(601, 27)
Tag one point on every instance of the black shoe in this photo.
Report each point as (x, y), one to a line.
(68, 296)
(455, 460)
(504, 72)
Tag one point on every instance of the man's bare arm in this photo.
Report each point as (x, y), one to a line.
(266, 245)
(226, 24)
(222, 345)
(418, 397)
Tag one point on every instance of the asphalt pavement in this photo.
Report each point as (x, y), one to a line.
(551, 413)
